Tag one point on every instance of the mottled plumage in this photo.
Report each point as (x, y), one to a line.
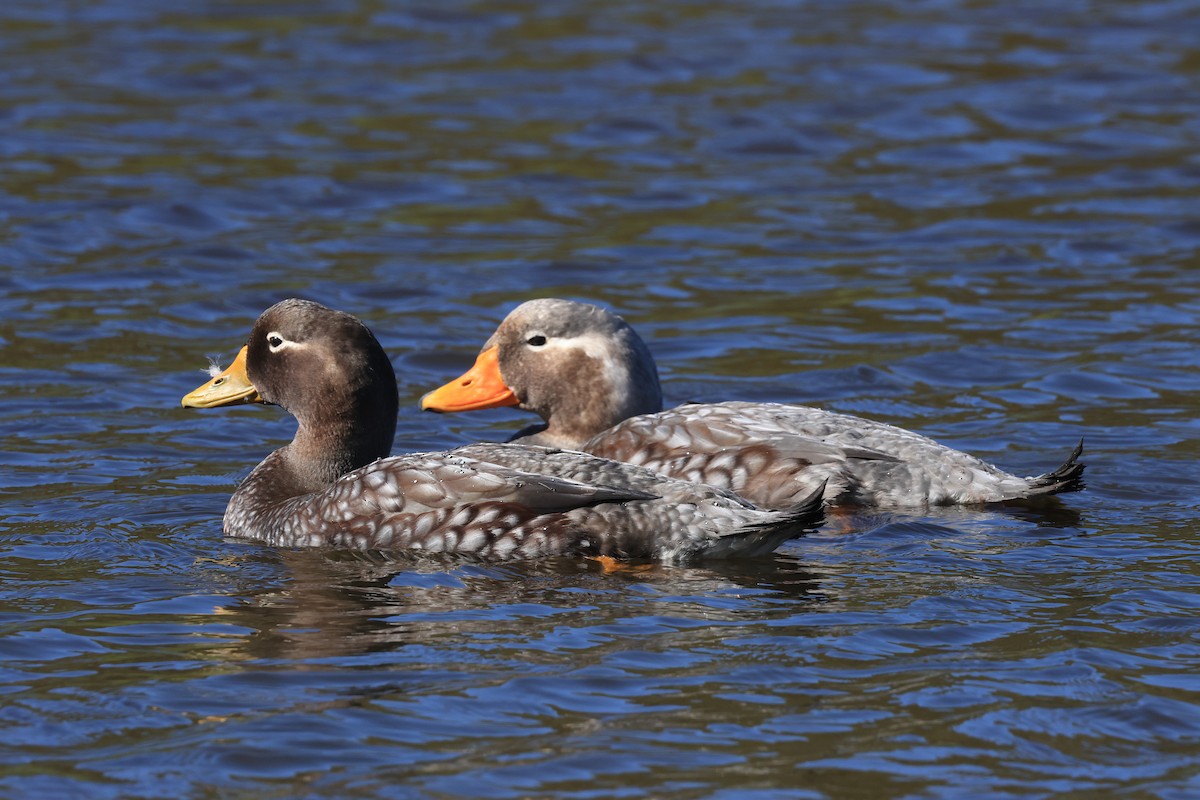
(334, 486)
(549, 356)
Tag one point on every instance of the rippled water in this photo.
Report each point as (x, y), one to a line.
(974, 219)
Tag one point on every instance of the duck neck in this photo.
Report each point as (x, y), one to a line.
(570, 426)
(320, 454)
(572, 418)
(328, 446)
(315, 458)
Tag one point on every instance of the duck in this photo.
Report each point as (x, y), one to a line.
(336, 484)
(589, 376)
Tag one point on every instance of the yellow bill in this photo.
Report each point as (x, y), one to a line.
(232, 387)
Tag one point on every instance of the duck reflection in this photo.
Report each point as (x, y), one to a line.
(341, 603)
(337, 604)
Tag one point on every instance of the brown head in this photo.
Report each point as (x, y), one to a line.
(325, 368)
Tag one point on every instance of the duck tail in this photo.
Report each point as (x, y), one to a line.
(807, 514)
(1067, 478)
(764, 536)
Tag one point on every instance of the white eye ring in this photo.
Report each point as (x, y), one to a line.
(536, 340)
(276, 342)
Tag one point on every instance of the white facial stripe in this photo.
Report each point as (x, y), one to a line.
(276, 342)
(598, 347)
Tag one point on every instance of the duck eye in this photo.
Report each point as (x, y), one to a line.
(536, 341)
(275, 340)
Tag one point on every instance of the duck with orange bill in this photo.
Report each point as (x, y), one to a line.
(593, 382)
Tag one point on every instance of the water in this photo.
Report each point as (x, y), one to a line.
(976, 220)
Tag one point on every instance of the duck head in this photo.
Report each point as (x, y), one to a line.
(328, 371)
(579, 367)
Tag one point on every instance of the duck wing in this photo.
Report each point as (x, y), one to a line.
(755, 456)
(688, 520)
(424, 482)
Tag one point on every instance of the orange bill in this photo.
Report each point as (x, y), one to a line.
(232, 387)
(479, 387)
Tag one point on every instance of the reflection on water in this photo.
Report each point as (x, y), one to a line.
(975, 220)
(343, 604)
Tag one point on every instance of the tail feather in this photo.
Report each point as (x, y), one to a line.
(1067, 478)
(764, 537)
(807, 514)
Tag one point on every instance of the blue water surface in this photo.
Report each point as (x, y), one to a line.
(972, 219)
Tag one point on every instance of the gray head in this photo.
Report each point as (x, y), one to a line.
(581, 368)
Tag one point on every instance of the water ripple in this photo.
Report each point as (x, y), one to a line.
(973, 220)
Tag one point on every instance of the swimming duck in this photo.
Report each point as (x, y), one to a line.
(592, 380)
(335, 485)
